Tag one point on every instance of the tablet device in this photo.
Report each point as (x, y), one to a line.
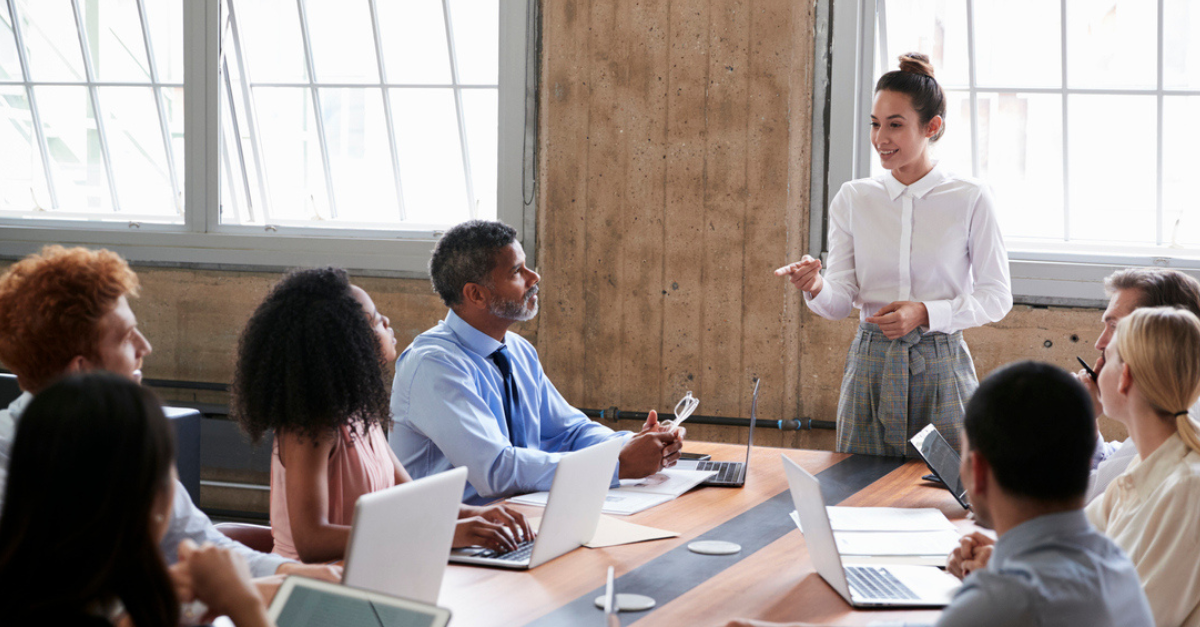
(304, 602)
(942, 460)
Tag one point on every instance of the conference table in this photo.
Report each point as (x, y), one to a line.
(772, 578)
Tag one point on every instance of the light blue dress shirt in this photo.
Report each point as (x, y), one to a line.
(448, 406)
(1052, 570)
(187, 521)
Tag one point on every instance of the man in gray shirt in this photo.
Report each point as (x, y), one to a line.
(67, 310)
(1028, 438)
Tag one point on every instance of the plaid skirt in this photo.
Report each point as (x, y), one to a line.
(891, 389)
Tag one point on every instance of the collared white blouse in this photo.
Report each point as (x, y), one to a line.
(935, 241)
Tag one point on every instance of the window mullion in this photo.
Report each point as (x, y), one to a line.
(94, 94)
(264, 186)
(160, 107)
(387, 110)
(237, 134)
(472, 207)
(19, 36)
(1160, 209)
(973, 93)
(881, 32)
(318, 114)
(1066, 119)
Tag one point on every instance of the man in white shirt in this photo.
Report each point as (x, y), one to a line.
(1129, 290)
(64, 311)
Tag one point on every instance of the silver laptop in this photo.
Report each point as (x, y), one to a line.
(729, 474)
(861, 586)
(302, 602)
(572, 511)
(401, 536)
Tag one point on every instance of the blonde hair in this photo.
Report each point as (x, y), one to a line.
(1162, 347)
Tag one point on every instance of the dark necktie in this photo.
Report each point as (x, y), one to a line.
(516, 434)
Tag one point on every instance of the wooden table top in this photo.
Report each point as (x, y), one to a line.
(771, 579)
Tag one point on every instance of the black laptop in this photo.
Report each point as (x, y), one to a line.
(942, 460)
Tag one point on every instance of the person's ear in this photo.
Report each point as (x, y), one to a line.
(934, 126)
(980, 471)
(1126, 381)
(476, 295)
(78, 365)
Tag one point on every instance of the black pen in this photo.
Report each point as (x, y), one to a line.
(1091, 373)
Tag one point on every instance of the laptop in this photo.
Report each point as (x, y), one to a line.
(303, 602)
(729, 474)
(861, 586)
(942, 460)
(572, 511)
(400, 537)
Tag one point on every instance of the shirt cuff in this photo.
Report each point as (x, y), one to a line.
(821, 301)
(265, 564)
(939, 315)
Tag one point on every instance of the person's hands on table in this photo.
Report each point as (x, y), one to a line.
(325, 572)
(220, 579)
(896, 319)
(503, 515)
(653, 448)
(973, 553)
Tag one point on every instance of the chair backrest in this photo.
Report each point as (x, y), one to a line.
(9, 390)
(256, 537)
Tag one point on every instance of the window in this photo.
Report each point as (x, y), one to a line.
(317, 131)
(1074, 111)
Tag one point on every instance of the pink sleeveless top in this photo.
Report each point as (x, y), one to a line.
(358, 465)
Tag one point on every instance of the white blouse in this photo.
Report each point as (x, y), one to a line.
(935, 241)
(1153, 513)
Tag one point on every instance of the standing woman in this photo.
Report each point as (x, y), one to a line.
(919, 251)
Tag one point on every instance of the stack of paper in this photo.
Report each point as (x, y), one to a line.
(636, 495)
(891, 535)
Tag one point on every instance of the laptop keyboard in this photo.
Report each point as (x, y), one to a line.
(876, 583)
(520, 554)
(727, 472)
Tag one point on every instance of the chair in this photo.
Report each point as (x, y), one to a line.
(257, 537)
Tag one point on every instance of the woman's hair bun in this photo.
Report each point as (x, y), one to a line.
(916, 63)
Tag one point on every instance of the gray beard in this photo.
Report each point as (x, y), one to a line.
(515, 310)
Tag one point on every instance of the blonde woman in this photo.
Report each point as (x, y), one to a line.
(1152, 511)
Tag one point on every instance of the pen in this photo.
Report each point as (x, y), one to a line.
(1091, 373)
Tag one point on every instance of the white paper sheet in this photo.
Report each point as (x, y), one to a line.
(884, 519)
(896, 543)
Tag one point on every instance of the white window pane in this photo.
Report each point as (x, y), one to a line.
(10, 63)
(430, 157)
(414, 42)
(292, 154)
(118, 48)
(1112, 175)
(1180, 164)
(937, 28)
(1112, 43)
(343, 44)
(481, 110)
(173, 110)
(138, 155)
(73, 145)
(1036, 61)
(1181, 44)
(476, 26)
(166, 37)
(360, 157)
(51, 40)
(239, 205)
(22, 181)
(1020, 156)
(270, 37)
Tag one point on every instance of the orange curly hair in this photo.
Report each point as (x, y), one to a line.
(50, 304)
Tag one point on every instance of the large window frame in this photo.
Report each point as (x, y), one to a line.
(203, 242)
(845, 64)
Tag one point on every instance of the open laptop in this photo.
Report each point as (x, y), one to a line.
(401, 536)
(729, 474)
(572, 511)
(861, 586)
(942, 460)
(303, 602)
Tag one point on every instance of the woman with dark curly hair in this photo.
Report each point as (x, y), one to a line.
(311, 366)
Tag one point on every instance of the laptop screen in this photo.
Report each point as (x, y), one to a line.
(942, 460)
(753, 419)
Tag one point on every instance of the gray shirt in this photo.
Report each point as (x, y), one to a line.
(1052, 570)
(187, 521)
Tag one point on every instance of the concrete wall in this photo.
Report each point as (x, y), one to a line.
(673, 178)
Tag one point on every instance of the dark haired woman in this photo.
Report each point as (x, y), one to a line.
(311, 366)
(90, 487)
(919, 251)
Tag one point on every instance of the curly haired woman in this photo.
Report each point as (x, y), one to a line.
(311, 366)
